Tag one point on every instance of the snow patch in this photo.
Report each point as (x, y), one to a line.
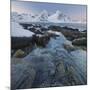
(18, 31)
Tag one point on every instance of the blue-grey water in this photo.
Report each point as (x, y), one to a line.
(80, 26)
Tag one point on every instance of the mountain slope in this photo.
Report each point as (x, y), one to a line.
(44, 16)
(58, 17)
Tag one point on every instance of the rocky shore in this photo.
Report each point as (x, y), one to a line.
(52, 56)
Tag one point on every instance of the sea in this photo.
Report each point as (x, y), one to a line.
(79, 26)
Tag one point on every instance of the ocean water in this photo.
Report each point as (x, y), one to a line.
(79, 26)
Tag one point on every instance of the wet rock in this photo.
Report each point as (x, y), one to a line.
(25, 26)
(69, 33)
(73, 76)
(70, 28)
(69, 47)
(80, 42)
(41, 40)
(67, 74)
(15, 61)
(55, 28)
(19, 54)
(79, 57)
(21, 42)
(36, 30)
(60, 70)
(44, 66)
(22, 75)
(52, 65)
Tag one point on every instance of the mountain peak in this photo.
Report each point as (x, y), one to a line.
(44, 16)
(58, 12)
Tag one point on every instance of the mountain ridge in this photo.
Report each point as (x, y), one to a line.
(57, 17)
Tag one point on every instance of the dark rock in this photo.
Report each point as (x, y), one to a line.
(41, 40)
(35, 30)
(44, 29)
(69, 33)
(21, 42)
(84, 31)
(70, 28)
(80, 42)
(55, 28)
(25, 26)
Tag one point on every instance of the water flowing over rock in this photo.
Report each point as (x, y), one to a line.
(22, 74)
(55, 65)
(59, 63)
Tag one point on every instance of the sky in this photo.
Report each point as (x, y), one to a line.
(77, 12)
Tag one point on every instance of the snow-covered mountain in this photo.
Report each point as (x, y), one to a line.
(42, 17)
(22, 17)
(57, 17)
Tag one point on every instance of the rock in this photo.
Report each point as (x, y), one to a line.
(60, 70)
(73, 76)
(55, 28)
(19, 54)
(12, 52)
(80, 57)
(69, 47)
(44, 29)
(41, 40)
(69, 33)
(68, 74)
(21, 42)
(80, 42)
(43, 66)
(52, 84)
(25, 26)
(15, 61)
(54, 65)
(70, 28)
(22, 75)
(51, 69)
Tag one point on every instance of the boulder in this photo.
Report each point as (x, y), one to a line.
(19, 54)
(69, 47)
(41, 40)
(21, 42)
(80, 42)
